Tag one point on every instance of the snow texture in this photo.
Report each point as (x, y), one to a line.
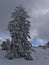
(40, 56)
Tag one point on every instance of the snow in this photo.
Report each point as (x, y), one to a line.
(1, 40)
(40, 56)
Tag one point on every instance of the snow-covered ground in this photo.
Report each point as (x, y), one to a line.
(41, 57)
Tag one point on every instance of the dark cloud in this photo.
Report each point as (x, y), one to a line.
(6, 8)
(38, 11)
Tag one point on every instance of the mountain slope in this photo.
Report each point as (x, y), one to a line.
(41, 57)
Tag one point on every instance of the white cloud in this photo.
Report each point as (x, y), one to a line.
(41, 42)
(37, 41)
(39, 12)
(33, 33)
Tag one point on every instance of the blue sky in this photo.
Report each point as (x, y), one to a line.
(36, 41)
(4, 35)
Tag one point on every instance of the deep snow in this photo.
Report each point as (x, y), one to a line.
(41, 57)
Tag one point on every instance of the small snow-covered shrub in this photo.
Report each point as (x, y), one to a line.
(4, 45)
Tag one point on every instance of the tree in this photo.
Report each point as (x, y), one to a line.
(4, 45)
(19, 30)
(47, 44)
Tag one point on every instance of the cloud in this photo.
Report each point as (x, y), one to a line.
(40, 19)
(39, 12)
(41, 24)
(39, 16)
(37, 41)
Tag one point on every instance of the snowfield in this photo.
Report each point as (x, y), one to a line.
(40, 56)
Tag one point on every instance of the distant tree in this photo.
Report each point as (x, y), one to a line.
(4, 45)
(19, 29)
(47, 44)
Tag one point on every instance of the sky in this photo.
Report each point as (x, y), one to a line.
(39, 16)
(37, 42)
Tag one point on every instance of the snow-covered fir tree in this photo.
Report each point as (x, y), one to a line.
(19, 29)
